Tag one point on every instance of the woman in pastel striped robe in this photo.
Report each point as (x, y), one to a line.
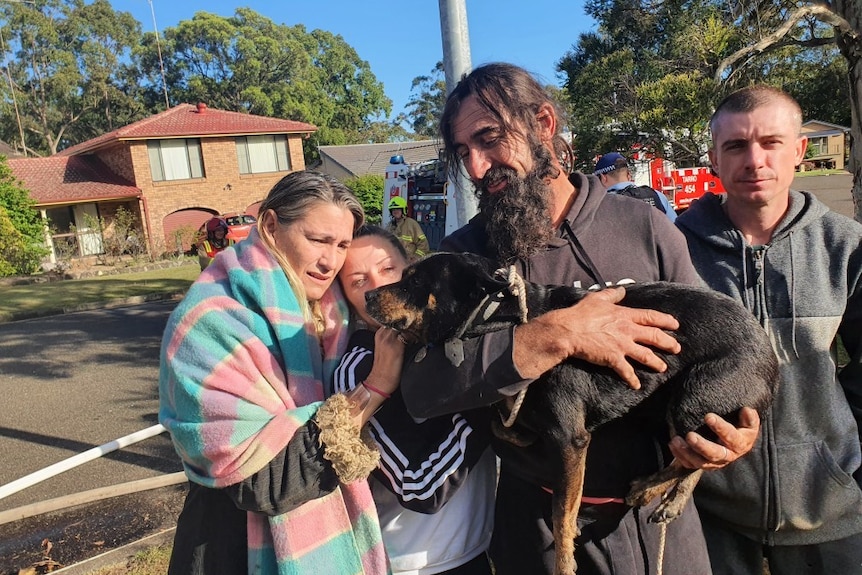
(277, 470)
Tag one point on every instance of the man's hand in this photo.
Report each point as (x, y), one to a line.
(695, 452)
(599, 331)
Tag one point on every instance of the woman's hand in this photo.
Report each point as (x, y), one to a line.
(385, 376)
(388, 359)
(696, 452)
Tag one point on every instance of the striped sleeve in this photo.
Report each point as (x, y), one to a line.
(423, 462)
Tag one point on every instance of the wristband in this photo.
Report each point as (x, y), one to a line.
(379, 392)
(358, 398)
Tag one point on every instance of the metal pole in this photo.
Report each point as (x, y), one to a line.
(456, 63)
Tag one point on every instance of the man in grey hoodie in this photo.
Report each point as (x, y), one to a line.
(796, 499)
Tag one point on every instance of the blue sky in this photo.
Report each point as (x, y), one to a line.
(401, 40)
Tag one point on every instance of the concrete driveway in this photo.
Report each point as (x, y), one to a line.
(833, 190)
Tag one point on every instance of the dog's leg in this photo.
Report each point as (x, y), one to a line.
(645, 489)
(673, 504)
(674, 483)
(567, 502)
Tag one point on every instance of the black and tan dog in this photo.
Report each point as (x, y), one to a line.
(726, 363)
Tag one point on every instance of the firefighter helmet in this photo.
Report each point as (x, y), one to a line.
(397, 202)
(214, 224)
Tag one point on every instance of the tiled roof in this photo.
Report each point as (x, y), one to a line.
(189, 120)
(65, 180)
(362, 159)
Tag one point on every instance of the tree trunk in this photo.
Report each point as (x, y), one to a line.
(850, 44)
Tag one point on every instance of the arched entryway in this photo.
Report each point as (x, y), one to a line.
(181, 228)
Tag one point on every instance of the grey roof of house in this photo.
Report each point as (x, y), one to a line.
(829, 128)
(362, 159)
(9, 151)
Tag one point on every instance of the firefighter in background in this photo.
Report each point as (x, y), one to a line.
(407, 230)
(215, 241)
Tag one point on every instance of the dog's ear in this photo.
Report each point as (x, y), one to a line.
(481, 271)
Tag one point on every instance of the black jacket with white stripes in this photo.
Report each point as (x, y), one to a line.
(422, 462)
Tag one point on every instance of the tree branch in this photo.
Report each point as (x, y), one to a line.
(774, 40)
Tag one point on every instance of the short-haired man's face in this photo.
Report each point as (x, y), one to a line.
(756, 153)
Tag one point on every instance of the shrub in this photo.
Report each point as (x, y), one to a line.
(19, 255)
(368, 189)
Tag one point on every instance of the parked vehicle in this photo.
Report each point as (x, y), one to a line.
(238, 227)
(682, 186)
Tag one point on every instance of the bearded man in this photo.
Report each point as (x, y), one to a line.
(502, 128)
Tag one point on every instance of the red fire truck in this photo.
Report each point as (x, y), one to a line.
(682, 185)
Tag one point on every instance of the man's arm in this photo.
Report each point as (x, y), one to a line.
(502, 363)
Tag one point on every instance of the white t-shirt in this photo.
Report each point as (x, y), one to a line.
(425, 544)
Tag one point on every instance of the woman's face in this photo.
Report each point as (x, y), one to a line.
(315, 246)
(371, 262)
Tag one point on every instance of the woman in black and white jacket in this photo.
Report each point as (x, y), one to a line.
(434, 487)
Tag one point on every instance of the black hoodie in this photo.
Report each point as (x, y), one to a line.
(608, 238)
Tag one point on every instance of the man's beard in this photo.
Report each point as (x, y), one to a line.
(517, 218)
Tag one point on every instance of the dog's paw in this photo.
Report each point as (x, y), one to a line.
(668, 510)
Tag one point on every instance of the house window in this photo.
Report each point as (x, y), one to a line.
(175, 159)
(261, 154)
(818, 146)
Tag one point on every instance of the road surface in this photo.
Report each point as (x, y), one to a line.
(69, 383)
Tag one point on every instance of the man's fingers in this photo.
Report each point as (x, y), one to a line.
(610, 295)
(656, 319)
(625, 370)
(697, 452)
(749, 418)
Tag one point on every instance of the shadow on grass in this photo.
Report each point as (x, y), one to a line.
(39, 299)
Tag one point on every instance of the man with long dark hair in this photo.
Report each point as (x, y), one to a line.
(562, 228)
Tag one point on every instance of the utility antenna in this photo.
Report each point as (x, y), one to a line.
(159, 50)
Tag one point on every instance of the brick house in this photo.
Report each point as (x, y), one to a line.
(173, 171)
(827, 144)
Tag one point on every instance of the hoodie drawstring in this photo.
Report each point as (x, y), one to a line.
(744, 289)
(793, 297)
(581, 255)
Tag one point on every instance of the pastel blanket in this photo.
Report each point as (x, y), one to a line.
(241, 371)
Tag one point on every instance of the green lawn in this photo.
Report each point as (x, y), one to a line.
(38, 299)
(818, 173)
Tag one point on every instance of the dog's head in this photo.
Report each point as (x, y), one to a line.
(435, 296)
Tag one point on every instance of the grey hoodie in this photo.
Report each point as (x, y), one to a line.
(801, 482)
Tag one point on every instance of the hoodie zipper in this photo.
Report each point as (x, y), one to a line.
(770, 512)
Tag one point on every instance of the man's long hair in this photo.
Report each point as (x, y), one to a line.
(517, 218)
(511, 96)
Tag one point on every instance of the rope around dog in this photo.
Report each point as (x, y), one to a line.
(519, 290)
